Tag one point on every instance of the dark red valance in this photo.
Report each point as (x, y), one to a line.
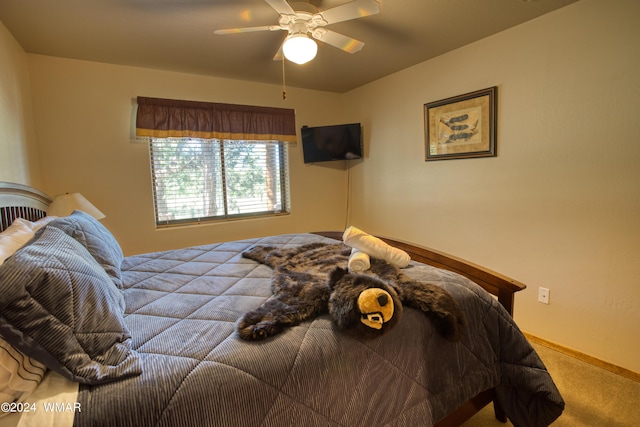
(168, 118)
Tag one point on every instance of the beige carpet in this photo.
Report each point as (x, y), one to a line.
(593, 397)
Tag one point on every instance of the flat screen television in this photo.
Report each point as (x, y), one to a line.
(327, 143)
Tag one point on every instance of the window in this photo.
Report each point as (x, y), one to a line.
(209, 179)
(215, 161)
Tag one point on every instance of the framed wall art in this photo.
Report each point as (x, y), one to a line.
(462, 127)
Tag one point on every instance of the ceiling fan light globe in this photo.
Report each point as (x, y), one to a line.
(299, 48)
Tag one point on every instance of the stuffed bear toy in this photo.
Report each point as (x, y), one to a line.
(312, 279)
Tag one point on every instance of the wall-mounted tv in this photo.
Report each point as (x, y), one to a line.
(327, 143)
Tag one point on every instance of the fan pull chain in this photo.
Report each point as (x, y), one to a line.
(284, 87)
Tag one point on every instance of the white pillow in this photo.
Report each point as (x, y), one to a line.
(35, 226)
(19, 374)
(14, 237)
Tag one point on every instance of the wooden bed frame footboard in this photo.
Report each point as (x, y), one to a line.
(503, 287)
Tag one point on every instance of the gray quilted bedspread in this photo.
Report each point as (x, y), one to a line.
(181, 309)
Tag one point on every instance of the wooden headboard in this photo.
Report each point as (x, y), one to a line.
(21, 201)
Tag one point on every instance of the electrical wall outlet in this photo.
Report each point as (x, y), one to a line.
(543, 295)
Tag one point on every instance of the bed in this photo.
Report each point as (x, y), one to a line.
(153, 339)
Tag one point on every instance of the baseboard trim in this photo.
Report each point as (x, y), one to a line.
(618, 370)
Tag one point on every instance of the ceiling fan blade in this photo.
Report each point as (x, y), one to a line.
(248, 29)
(281, 6)
(279, 56)
(352, 10)
(340, 41)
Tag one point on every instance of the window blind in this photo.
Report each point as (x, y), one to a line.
(208, 179)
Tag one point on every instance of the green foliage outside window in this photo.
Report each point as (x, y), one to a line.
(197, 180)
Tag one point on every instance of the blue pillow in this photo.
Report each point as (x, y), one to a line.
(61, 308)
(97, 239)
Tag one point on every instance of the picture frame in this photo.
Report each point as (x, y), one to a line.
(462, 126)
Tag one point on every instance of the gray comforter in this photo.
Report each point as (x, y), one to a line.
(181, 309)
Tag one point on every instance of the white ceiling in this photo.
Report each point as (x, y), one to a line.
(178, 35)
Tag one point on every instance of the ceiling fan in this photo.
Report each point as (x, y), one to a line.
(302, 19)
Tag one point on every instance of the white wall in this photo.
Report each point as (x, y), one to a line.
(82, 112)
(18, 158)
(559, 207)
